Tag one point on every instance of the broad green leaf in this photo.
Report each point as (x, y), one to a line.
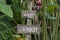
(6, 9)
(49, 16)
(3, 1)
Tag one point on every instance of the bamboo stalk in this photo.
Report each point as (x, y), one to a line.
(57, 22)
(44, 27)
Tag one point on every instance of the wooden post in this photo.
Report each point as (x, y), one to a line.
(28, 37)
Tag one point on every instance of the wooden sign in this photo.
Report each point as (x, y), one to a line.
(28, 14)
(25, 29)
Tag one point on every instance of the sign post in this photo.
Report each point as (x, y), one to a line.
(28, 37)
(29, 28)
(26, 29)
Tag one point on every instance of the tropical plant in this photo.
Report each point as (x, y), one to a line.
(10, 16)
(7, 24)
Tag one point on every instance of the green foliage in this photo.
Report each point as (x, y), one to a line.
(7, 28)
(7, 25)
(3, 1)
(6, 9)
(9, 19)
(51, 7)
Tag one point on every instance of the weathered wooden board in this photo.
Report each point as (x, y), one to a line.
(28, 14)
(25, 29)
